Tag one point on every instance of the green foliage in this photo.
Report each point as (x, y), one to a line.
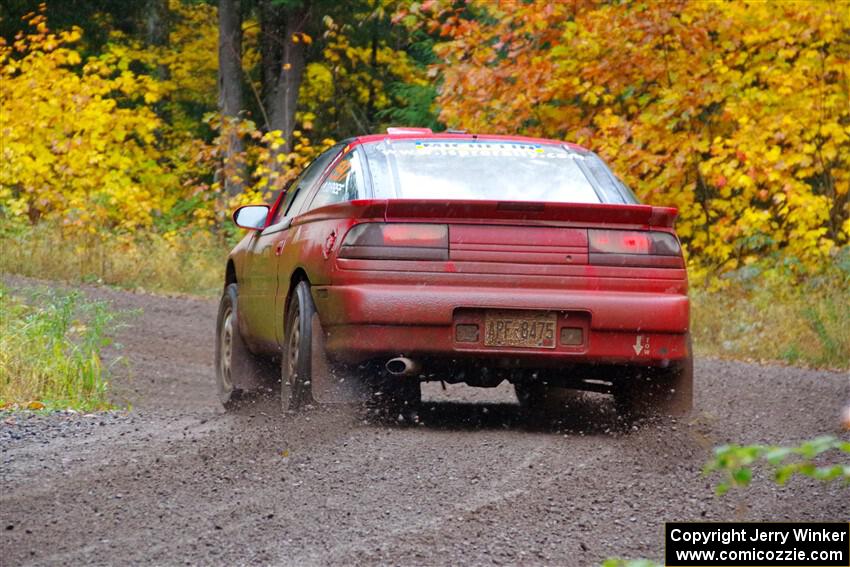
(736, 462)
(88, 14)
(416, 108)
(50, 351)
(371, 73)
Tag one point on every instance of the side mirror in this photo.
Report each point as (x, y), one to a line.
(251, 217)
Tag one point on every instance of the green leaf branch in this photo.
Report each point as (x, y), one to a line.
(736, 462)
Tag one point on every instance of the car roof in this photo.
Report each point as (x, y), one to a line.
(426, 134)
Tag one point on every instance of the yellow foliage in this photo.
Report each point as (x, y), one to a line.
(84, 145)
(269, 170)
(78, 147)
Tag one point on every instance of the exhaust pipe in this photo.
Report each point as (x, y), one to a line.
(402, 366)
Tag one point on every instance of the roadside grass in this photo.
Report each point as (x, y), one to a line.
(50, 351)
(763, 314)
(776, 318)
(191, 262)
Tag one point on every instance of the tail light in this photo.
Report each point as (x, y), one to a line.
(396, 241)
(633, 248)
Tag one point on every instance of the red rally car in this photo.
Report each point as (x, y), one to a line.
(412, 256)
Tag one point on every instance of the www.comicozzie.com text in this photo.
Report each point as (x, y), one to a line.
(727, 536)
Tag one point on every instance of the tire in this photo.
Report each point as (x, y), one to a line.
(296, 362)
(656, 391)
(238, 371)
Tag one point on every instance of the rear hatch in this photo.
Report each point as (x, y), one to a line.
(553, 234)
(517, 244)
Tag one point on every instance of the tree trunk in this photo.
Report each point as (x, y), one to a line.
(157, 30)
(157, 22)
(289, 80)
(230, 92)
(270, 52)
(284, 65)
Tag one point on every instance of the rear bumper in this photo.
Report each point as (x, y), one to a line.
(372, 320)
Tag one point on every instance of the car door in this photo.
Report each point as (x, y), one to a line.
(344, 182)
(265, 251)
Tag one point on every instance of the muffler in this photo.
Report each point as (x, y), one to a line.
(402, 366)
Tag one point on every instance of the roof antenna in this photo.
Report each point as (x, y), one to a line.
(455, 131)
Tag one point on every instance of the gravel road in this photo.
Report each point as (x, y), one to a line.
(175, 480)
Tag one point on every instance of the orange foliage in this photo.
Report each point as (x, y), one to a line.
(737, 113)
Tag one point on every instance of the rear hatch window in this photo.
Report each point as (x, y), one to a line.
(491, 170)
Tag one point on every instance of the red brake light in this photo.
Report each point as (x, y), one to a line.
(397, 241)
(634, 248)
(428, 235)
(619, 242)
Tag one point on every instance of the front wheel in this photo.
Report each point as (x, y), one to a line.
(238, 371)
(296, 370)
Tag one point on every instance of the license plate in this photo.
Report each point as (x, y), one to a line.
(526, 329)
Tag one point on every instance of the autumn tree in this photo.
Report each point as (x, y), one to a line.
(79, 148)
(742, 125)
(372, 71)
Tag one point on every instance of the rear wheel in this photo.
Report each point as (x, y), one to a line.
(238, 371)
(296, 362)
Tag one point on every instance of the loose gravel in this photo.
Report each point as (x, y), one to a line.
(177, 481)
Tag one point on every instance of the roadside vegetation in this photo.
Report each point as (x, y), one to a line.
(824, 458)
(189, 262)
(767, 314)
(51, 348)
(121, 162)
(735, 463)
(758, 313)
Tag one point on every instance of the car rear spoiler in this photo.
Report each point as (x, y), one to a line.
(642, 215)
